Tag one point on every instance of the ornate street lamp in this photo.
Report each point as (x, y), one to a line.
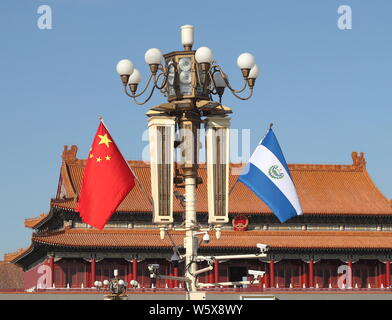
(116, 286)
(189, 80)
(186, 74)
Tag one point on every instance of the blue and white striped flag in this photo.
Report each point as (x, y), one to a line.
(268, 176)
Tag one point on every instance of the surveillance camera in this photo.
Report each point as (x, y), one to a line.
(263, 247)
(256, 273)
(206, 238)
(153, 267)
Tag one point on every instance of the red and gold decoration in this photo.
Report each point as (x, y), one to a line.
(240, 223)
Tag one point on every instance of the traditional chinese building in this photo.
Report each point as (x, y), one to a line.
(347, 221)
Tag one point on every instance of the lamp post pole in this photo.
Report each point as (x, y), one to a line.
(189, 79)
(190, 240)
(189, 123)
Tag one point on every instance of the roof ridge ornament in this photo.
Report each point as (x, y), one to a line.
(69, 155)
(359, 161)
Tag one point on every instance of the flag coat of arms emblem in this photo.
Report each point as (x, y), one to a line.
(268, 176)
(107, 179)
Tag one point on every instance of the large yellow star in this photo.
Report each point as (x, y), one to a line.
(104, 140)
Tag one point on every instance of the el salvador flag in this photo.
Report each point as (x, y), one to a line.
(268, 176)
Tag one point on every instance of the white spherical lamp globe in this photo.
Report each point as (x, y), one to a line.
(254, 72)
(246, 61)
(121, 282)
(204, 55)
(124, 67)
(133, 283)
(105, 282)
(135, 77)
(96, 283)
(153, 56)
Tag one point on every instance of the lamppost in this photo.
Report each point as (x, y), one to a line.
(116, 286)
(189, 80)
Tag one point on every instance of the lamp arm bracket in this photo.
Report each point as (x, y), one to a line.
(139, 94)
(217, 68)
(148, 98)
(156, 78)
(241, 98)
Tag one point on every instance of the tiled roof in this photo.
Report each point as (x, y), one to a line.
(322, 189)
(143, 238)
(9, 257)
(34, 222)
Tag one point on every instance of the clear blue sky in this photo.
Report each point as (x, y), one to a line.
(327, 91)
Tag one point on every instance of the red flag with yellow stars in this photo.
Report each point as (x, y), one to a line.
(107, 179)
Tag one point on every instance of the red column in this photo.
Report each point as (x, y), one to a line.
(51, 265)
(210, 277)
(267, 276)
(263, 278)
(143, 266)
(170, 273)
(350, 274)
(92, 272)
(87, 277)
(380, 274)
(129, 275)
(216, 271)
(305, 274)
(175, 271)
(272, 273)
(311, 273)
(134, 269)
(387, 273)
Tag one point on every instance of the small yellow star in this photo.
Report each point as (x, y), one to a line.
(91, 156)
(107, 158)
(104, 140)
(99, 159)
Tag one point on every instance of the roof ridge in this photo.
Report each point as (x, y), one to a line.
(322, 167)
(66, 179)
(114, 231)
(49, 233)
(359, 163)
(246, 233)
(374, 186)
(32, 222)
(9, 257)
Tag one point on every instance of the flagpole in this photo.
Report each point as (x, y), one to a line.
(232, 188)
(269, 128)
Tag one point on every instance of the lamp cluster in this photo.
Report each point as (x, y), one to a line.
(186, 74)
(117, 287)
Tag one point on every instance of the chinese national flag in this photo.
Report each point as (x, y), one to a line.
(107, 179)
